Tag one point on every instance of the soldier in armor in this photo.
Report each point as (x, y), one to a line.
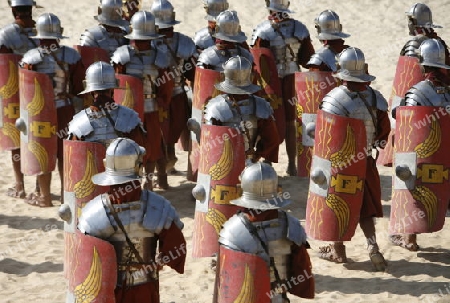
(109, 33)
(264, 235)
(182, 62)
(149, 60)
(204, 38)
(421, 28)
(329, 30)
(230, 41)
(143, 227)
(241, 109)
(433, 91)
(356, 99)
(17, 38)
(290, 42)
(63, 65)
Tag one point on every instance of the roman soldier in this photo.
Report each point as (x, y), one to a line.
(141, 230)
(229, 42)
(290, 42)
(420, 189)
(204, 38)
(345, 183)
(238, 128)
(110, 33)
(408, 71)
(15, 40)
(64, 69)
(182, 67)
(263, 254)
(148, 60)
(313, 85)
(241, 109)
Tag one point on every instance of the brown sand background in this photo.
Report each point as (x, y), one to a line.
(31, 241)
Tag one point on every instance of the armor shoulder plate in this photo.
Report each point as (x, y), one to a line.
(33, 56)
(263, 108)
(80, 125)
(94, 219)
(126, 120)
(412, 46)
(122, 55)
(71, 56)
(159, 214)
(93, 37)
(300, 30)
(419, 94)
(245, 53)
(265, 31)
(324, 55)
(336, 100)
(382, 103)
(236, 236)
(10, 37)
(186, 47)
(218, 108)
(209, 57)
(295, 231)
(162, 58)
(203, 38)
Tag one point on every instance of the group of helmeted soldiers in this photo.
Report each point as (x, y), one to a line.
(112, 110)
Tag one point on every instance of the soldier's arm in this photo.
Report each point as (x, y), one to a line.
(305, 52)
(5, 50)
(383, 127)
(165, 88)
(119, 68)
(189, 69)
(259, 43)
(267, 146)
(172, 248)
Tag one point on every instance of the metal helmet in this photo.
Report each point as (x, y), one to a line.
(48, 26)
(110, 13)
(99, 76)
(143, 27)
(214, 7)
(14, 3)
(329, 26)
(352, 66)
(432, 53)
(421, 16)
(238, 77)
(259, 183)
(281, 6)
(123, 163)
(228, 27)
(164, 13)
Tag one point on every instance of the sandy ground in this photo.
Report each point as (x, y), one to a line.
(31, 242)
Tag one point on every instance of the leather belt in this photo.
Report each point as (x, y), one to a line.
(177, 90)
(149, 96)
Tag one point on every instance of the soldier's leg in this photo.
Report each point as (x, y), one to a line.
(407, 241)
(161, 166)
(368, 228)
(291, 126)
(18, 190)
(44, 199)
(149, 171)
(171, 159)
(334, 252)
(61, 177)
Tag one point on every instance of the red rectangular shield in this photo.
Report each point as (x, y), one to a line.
(130, 93)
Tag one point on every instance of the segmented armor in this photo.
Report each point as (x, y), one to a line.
(278, 236)
(99, 37)
(96, 126)
(204, 39)
(181, 48)
(425, 93)
(243, 117)
(412, 46)
(341, 101)
(17, 38)
(284, 38)
(144, 65)
(55, 63)
(326, 56)
(143, 220)
(214, 58)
